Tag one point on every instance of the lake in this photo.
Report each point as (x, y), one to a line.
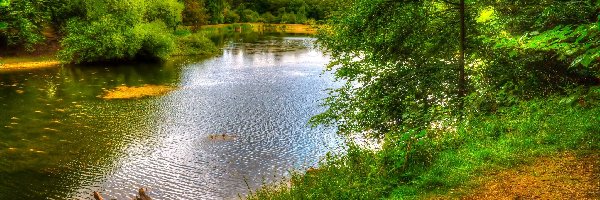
(60, 140)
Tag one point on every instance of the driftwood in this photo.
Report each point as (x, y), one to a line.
(141, 192)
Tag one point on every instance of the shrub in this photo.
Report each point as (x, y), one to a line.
(21, 23)
(249, 16)
(168, 11)
(83, 43)
(231, 17)
(268, 18)
(288, 18)
(155, 43)
(195, 44)
(121, 30)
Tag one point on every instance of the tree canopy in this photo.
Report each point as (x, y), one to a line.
(401, 59)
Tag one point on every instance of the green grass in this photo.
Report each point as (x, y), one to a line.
(456, 160)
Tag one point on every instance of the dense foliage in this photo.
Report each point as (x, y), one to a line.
(22, 22)
(267, 11)
(129, 28)
(530, 88)
(400, 60)
(100, 30)
(449, 162)
(105, 30)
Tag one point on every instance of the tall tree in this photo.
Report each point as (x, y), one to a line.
(195, 13)
(215, 9)
(412, 65)
(399, 61)
(461, 59)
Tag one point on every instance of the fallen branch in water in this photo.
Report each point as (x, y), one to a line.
(141, 192)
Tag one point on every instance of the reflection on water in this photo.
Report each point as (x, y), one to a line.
(59, 140)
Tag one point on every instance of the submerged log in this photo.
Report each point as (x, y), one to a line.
(143, 195)
(97, 196)
(141, 192)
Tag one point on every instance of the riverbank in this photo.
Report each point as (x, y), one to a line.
(529, 150)
(566, 175)
(262, 27)
(190, 44)
(22, 63)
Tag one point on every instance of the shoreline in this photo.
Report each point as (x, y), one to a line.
(29, 62)
(265, 27)
(28, 65)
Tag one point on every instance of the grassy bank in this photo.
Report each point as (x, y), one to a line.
(453, 163)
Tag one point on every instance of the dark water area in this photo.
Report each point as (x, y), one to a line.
(60, 140)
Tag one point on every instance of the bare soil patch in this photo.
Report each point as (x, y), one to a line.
(564, 176)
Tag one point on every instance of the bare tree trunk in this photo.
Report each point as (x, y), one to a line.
(461, 59)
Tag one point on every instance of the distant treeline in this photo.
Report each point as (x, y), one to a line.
(200, 12)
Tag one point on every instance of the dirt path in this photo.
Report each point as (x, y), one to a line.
(565, 176)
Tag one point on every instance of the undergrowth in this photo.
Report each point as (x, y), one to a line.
(441, 162)
(191, 44)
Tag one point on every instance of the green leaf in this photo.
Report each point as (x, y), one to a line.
(3, 25)
(4, 3)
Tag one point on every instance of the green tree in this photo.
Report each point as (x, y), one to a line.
(23, 22)
(288, 18)
(130, 29)
(215, 10)
(406, 63)
(195, 14)
(249, 16)
(3, 3)
(268, 18)
(231, 17)
(399, 60)
(167, 11)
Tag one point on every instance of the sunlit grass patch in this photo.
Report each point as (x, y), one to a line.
(126, 92)
(24, 64)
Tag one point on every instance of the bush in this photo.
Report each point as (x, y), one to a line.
(83, 43)
(182, 31)
(168, 11)
(121, 30)
(268, 18)
(195, 44)
(288, 18)
(21, 23)
(231, 17)
(155, 43)
(311, 22)
(249, 16)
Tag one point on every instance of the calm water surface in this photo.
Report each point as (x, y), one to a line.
(59, 140)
